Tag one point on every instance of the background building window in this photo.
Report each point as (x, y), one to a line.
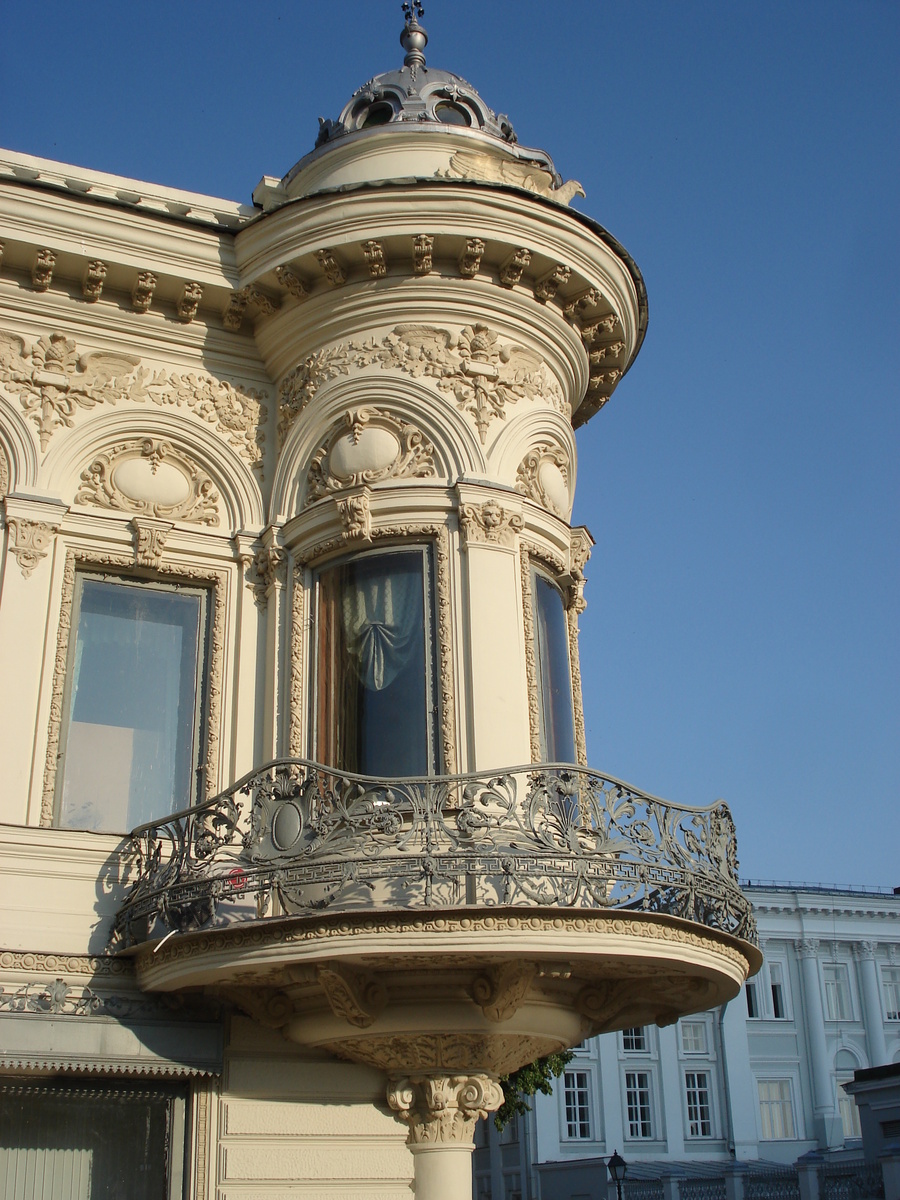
(554, 675)
(131, 732)
(693, 1037)
(752, 1000)
(698, 1105)
(576, 1096)
(847, 1107)
(837, 992)
(635, 1038)
(890, 980)
(374, 690)
(776, 982)
(638, 1104)
(776, 1109)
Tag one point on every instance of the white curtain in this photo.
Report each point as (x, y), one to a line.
(382, 618)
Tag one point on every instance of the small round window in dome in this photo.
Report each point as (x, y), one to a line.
(452, 114)
(378, 114)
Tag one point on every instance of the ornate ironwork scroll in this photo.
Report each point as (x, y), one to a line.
(312, 838)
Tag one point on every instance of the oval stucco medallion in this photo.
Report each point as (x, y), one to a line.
(139, 480)
(370, 449)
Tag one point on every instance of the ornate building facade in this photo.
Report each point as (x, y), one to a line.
(290, 590)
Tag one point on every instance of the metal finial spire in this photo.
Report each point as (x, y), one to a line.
(413, 39)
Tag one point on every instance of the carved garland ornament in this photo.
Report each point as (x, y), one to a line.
(54, 382)
(300, 621)
(151, 478)
(482, 374)
(368, 445)
(218, 581)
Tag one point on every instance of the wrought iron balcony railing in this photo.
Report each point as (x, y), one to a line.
(294, 837)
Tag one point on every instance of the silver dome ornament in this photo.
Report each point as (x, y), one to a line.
(413, 39)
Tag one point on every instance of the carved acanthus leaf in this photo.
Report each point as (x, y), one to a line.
(53, 383)
(105, 483)
(483, 373)
(500, 991)
(353, 996)
(443, 1108)
(368, 445)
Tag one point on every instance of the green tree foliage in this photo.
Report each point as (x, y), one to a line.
(535, 1077)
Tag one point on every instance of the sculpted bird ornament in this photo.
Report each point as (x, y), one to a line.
(468, 164)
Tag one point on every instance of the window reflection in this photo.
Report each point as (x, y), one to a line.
(554, 677)
(374, 674)
(131, 731)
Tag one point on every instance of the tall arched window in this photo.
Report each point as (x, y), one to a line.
(375, 703)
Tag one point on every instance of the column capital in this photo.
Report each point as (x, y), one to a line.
(864, 950)
(807, 947)
(443, 1108)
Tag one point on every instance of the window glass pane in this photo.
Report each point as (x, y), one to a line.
(577, 1104)
(637, 1103)
(837, 993)
(698, 1106)
(374, 678)
(634, 1038)
(776, 1109)
(554, 678)
(87, 1142)
(693, 1037)
(131, 731)
(890, 978)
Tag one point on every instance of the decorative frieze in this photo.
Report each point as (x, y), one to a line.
(29, 542)
(482, 373)
(543, 476)
(334, 272)
(53, 382)
(443, 1108)
(369, 445)
(423, 248)
(142, 291)
(489, 524)
(42, 270)
(151, 477)
(375, 260)
(470, 259)
(189, 302)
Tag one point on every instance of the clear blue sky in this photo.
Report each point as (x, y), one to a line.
(741, 638)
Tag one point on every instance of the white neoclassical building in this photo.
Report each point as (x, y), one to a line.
(756, 1079)
(290, 594)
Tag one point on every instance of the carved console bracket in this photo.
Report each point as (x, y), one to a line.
(29, 541)
(357, 998)
(500, 991)
(443, 1108)
(489, 524)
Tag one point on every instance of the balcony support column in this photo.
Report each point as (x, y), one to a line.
(441, 1111)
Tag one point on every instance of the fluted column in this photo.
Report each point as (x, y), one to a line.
(823, 1101)
(441, 1111)
(873, 1013)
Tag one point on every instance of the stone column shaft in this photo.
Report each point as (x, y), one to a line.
(873, 1012)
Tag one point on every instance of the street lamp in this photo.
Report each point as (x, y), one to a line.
(617, 1166)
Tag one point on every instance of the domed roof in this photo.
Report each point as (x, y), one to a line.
(419, 122)
(416, 93)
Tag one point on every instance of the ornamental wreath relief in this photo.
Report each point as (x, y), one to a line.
(53, 381)
(483, 374)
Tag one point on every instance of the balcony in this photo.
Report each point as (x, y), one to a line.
(473, 920)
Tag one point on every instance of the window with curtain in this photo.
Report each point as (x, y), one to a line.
(554, 675)
(131, 730)
(776, 1109)
(375, 696)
